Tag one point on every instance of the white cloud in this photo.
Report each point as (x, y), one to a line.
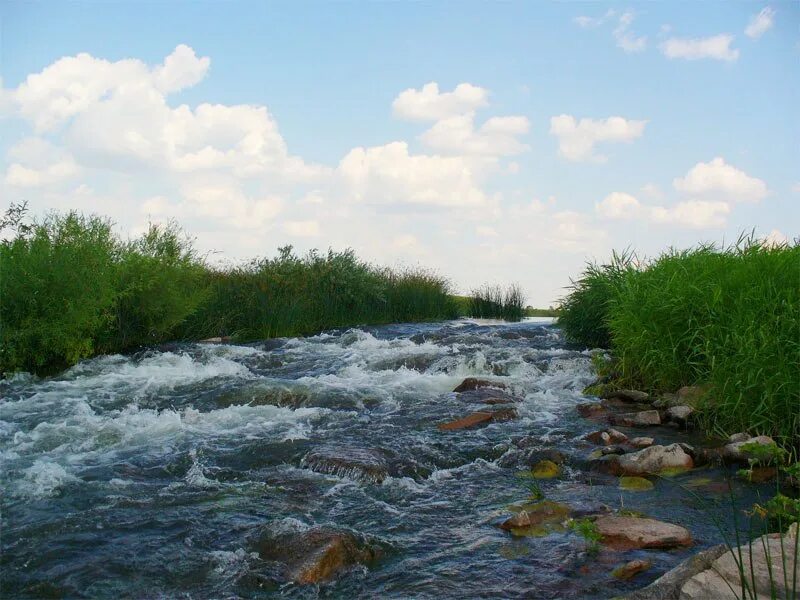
(577, 139)
(485, 231)
(428, 104)
(389, 174)
(723, 180)
(717, 47)
(625, 38)
(226, 201)
(591, 22)
(775, 238)
(696, 214)
(760, 23)
(181, 69)
(496, 137)
(302, 228)
(37, 163)
(619, 205)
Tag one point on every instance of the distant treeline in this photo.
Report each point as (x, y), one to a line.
(70, 288)
(728, 318)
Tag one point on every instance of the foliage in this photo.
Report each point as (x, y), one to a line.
(729, 317)
(587, 529)
(496, 302)
(70, 289)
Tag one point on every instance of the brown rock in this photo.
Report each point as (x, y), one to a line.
(642, 442)
(318, 554)
(473, 383)
(599, 438)
(631, 569)
(545, 511)
(479, 418)
(626, 533)
(646, 418)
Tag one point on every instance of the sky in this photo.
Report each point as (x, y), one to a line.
(491, 142)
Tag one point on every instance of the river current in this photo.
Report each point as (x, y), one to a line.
(152, 475)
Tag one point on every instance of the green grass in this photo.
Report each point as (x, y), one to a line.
(71, 289)
(496, 302)
(728, 317)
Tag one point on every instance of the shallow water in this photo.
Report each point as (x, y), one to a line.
(152, 475)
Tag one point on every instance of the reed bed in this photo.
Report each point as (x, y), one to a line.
(497, 302)
(71, 289)
(725, 317)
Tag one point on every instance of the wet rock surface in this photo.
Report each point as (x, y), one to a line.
(625, 533)
(654, 460)
(645, 418)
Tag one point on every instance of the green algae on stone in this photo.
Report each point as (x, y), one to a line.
(635, 484)
(545, 469)
(673, 471)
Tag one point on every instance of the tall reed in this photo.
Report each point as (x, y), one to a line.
(496, 302)
(727, 317)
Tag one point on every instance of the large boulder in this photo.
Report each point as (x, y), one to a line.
(627, 533)
(653, 460)
(473, 383)
(770, 562)
(645, 418)
(668, 586)
(318, 554)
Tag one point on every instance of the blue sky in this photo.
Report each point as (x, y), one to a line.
(554, 132)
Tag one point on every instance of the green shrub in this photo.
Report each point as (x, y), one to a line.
(57, 290)
(495, 302)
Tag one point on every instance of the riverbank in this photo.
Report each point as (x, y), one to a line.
(724, 319)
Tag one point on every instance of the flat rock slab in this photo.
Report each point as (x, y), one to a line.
(473, 383)
(354, 463)
(626, 533)
(318, 554)
(477, 419)
(645, 418)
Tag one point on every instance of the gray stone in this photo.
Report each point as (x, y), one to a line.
(654, 460)
(646, 418)
(679, 414)
(642, 442)
(738, 437)
(733, 452)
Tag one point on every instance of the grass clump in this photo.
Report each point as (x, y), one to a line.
(727, 317)
(496, 302)
(70, 288)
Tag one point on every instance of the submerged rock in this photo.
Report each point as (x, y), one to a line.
(631, 569)
(635, 484)
(473, 383)
(536, 515)
(488, 396)
(626, 533)
(355, 463)
(318, 554)
(653, 460)
(591, 409)
(645, 418)
(545, 469)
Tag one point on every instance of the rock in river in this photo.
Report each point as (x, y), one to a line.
(642, 442)
(317, 554)
(679, 414)
(631, 569)
(742, 451)
(654, 459)
(473, 383)
(645, 418)
(479, 418)
(626, 533)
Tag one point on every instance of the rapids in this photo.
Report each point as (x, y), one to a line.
(151, 475)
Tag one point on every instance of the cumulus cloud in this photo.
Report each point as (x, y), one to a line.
(697, 214)
(390, 174)
(428, 104)
(577, 139)
(775, 238)
(302, 228)
(38, 163)
(716, 47)
(496, 137)
(760, 23)
(720, 179)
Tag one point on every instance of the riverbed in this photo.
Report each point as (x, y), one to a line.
(153, 475)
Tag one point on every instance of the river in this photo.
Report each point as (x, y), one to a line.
(153, 475)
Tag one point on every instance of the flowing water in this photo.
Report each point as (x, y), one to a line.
(154, 475)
